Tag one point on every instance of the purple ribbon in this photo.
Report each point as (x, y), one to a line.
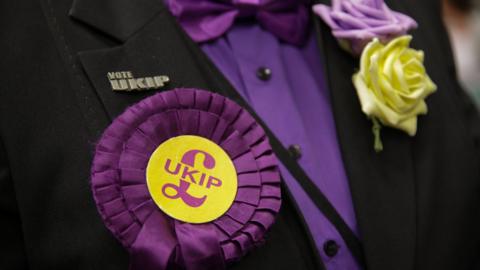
(154, 240)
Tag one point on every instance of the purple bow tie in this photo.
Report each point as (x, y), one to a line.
(205, 20)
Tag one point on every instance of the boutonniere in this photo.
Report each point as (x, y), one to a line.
(392, 83)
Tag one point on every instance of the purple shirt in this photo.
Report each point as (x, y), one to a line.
(294, 102)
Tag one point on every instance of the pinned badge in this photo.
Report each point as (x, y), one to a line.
(195, 171)
(125, 81)
(186, 172)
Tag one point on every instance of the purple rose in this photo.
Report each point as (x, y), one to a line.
(356, 22)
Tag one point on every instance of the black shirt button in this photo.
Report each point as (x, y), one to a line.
(264, 73)
(295, 151)
(331, 248)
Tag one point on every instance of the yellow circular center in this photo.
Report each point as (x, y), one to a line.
(191, 179)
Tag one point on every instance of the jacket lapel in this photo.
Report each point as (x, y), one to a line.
(118, 19)
(153, 45)
(383, 184)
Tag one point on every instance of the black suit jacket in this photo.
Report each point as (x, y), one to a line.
(417, 203)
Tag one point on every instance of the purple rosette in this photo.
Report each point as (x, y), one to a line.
(155, 240)
(356, 23)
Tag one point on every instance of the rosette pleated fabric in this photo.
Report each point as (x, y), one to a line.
(156, 240)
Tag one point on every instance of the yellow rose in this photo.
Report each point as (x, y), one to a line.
(392, 84)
